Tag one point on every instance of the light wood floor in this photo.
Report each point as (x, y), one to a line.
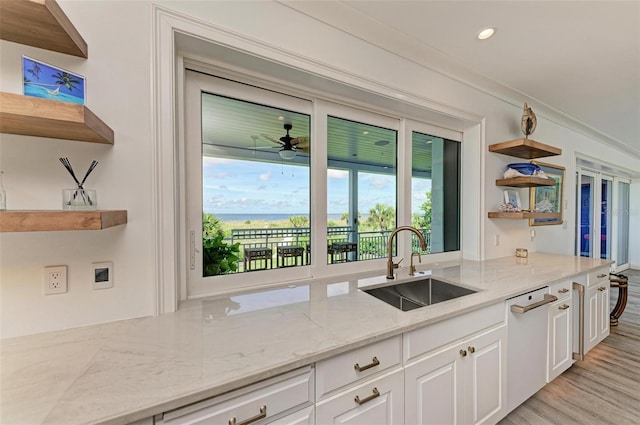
(604, 388)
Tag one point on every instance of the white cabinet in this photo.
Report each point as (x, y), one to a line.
(461, 383)
(304, 416)
(560, 331)
(270, 401)
(596, 314)
(373, 401)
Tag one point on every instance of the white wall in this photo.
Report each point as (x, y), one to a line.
(118, 74)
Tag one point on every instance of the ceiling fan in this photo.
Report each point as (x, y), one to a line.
(289, 146)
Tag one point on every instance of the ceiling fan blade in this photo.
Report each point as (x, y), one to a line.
(271, 139)
(301, 142)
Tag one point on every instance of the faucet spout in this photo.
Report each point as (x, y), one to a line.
(390, 263)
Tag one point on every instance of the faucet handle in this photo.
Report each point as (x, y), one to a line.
(396, 265)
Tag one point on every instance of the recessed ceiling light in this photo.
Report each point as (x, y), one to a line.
(280, 118)
(486, 33)
(365, 132)
(429, 142)
(382, 143)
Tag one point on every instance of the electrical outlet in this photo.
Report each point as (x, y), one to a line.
(55, 280)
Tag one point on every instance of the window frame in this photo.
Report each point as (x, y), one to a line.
(321, 109)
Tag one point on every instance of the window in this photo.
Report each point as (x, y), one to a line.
(361, 189)
(250, 191)
(435, 192)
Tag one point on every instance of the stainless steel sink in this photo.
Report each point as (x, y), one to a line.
(418, 293)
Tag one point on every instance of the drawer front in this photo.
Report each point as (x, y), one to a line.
(423, 340)
(377, 400)
(258, 401)
(598, 276)
(562, 290)
(346, 368)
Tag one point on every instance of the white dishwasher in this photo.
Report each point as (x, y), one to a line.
(526, 345)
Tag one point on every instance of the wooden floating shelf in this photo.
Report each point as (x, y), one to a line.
(36, 221)
(525, 181)
(522, 214)
(40, 23)
(33, 116)
(525, 148)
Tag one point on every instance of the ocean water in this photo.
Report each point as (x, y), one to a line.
(38, 91)
(266, 216)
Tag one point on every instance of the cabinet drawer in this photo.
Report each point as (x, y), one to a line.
(423, 340)
(347, 368)
(598, 276)
(562, 290)
(262, 400)
(377, 400)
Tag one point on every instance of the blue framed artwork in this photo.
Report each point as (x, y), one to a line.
(46, 81)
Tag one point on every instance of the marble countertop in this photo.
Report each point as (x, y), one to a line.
(128, 370)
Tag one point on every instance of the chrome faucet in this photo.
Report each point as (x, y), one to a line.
(412, 268)
(390, 264)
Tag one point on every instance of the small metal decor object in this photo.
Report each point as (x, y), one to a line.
(528, 122)
(522, 253)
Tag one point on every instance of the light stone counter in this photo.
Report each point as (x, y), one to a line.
(128, 370)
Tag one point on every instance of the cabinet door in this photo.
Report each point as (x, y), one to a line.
(603, 311)
(485, 377)
(433, 388)
(378, 401)
(559, 356)
(591, 312)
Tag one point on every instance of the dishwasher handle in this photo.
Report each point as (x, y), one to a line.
(548, 298)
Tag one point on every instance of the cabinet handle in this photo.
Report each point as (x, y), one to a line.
(463, 353)
(563, 291)
(472, 349)
(563, 307)
(600, 276)
(374, 362)
(548, 298)
(261, 415)
(375, 394)
(602, 288)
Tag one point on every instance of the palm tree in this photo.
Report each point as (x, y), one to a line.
(382, 217)
(66, 79)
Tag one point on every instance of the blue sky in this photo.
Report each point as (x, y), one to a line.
(236, 187)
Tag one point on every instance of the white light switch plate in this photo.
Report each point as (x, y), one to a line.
(102, 275)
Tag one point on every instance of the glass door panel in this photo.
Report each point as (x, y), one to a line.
(586, 193)
(606, 197)
(623, 224)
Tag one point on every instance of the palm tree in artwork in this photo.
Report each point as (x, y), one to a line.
(66, 79)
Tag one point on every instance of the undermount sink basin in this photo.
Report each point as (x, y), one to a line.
(418, 293)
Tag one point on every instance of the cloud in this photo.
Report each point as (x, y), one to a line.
(210, 161)
(263, 187)
(265, 177)
(337, 174)
(378, 182)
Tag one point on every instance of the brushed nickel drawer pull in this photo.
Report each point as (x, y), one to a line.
(374, 362)
(472, 349)
(375, 394)
(548, 298)
(463, 353)
(563, 307)
(563, 290)
(600, 276)
(261, 415)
